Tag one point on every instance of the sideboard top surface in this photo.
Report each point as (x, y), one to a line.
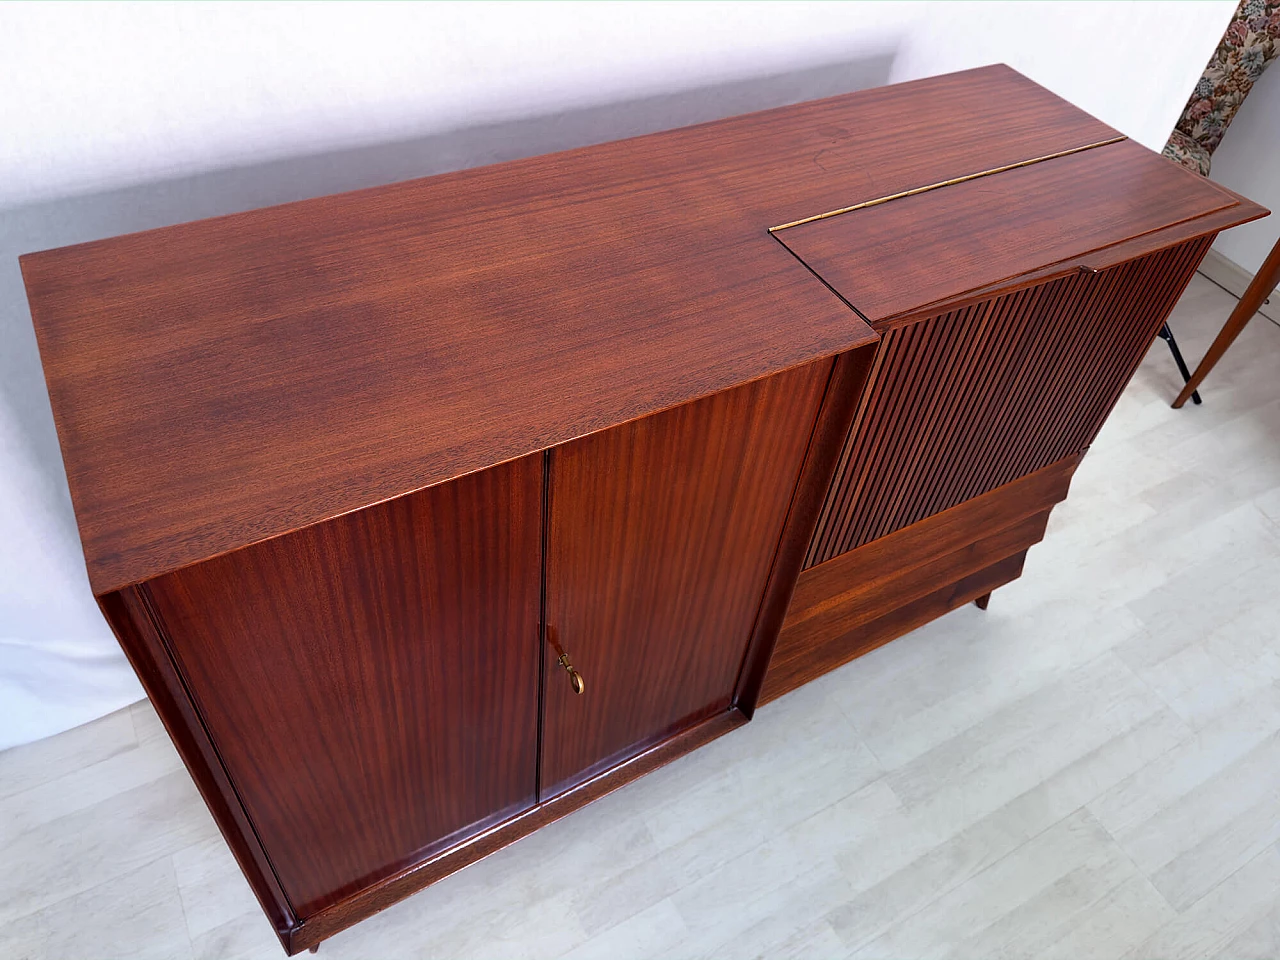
(225, 381)
(894, 258)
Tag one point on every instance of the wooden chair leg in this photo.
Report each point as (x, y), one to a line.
(1264, 281)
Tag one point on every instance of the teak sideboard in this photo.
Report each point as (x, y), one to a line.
(431, 512)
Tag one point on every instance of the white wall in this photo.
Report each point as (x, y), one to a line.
(1130, 64)
(130, 92)
(122, 117)
(103, 95)
(1248, 161)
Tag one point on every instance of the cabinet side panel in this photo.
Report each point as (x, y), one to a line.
(142, 644)
(371, 683)
(966, 401)
(839, 403)
(662, 536)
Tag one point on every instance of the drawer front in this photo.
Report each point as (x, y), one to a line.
(371, 683)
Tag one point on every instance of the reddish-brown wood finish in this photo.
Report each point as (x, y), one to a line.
(894, 257)
(866, 597)
(662, 534)
(809, 655)
(371, 684)
(967, 401)
(291, 364)
(1260, 287)
(133, 625)
(1115, 255)
(381, 895)
(307, 449)
(843, 392)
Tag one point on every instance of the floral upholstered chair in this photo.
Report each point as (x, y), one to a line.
(1251, 42)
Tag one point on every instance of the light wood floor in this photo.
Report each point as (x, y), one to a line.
(1089, 769)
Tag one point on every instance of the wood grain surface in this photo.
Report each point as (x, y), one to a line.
(866, 597)
(810, 654)
(305, 446)
(840, 401)
(890, 259)
(371, 683)
(286, 365)
(969, 400)
(662, 534)
(380, 895)
(133, 620)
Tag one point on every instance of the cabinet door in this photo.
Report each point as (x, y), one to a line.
(371, 683)
(662, 533)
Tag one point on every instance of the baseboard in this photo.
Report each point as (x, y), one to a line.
(1233, 278)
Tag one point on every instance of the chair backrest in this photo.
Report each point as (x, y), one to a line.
(1251, 42)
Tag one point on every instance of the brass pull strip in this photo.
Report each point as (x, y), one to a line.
(943, 183)
(575, 678)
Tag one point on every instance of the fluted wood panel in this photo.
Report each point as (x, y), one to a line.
(966, 401)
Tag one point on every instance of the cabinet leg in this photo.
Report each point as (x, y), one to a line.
(313, 948)
(1166, 335)
(982, 601)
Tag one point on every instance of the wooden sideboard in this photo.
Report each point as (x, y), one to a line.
(429, 513)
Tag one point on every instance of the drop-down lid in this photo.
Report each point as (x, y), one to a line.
(897, 255)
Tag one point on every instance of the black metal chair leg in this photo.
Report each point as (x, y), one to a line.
(1166, 335)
